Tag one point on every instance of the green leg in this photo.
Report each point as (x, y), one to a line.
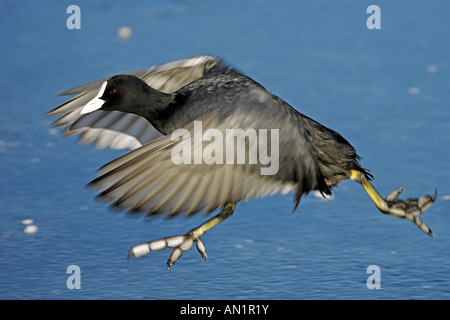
(410, 209)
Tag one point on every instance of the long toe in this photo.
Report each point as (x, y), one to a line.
(185, 246)
(179, 244)
(410, 208)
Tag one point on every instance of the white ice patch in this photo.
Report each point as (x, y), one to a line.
(95, 103)
(30, 229)
(323, 196)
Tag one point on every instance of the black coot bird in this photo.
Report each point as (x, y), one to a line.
(206, 137)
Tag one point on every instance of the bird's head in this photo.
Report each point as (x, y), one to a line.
(126, 93)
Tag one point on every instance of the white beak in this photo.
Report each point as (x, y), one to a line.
(95, 103)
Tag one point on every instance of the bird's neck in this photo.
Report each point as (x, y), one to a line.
(154, 110)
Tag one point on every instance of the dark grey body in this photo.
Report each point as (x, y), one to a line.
(312, 156)
(140, 111)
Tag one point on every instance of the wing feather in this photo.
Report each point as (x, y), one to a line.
(146, 180)
(126, 130)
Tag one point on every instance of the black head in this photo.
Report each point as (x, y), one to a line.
(126, 93)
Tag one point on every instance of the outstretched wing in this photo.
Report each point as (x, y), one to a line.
(164, 177)
(120, 130)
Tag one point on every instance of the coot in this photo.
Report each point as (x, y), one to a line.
(204, 136)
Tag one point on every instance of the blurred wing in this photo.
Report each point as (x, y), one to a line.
(120, 130)
(148, 180)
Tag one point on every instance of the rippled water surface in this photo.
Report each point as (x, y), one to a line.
(386, 91)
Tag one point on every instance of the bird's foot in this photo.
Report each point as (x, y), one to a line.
(410, 208)
(179, 244)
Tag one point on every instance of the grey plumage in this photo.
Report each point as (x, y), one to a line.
(311, 156)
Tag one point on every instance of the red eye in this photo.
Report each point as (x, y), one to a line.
(113, 91)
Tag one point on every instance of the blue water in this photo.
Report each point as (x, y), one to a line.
(387, 91)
